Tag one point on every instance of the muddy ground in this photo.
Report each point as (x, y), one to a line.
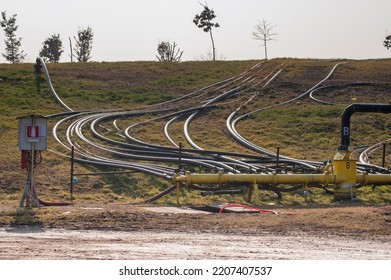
(38, 243)
(128, 232)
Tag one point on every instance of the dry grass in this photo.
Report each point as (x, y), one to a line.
(304, 129)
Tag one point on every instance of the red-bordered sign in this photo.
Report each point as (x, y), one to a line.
(32, 133)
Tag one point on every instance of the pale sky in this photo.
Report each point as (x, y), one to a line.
(129, 30)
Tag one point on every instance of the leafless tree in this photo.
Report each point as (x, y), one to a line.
(263, 32)
(168, 52)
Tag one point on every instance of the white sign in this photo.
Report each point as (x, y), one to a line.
(32, 129)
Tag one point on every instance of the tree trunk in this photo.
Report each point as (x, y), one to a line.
(264, 41)
(70, 44)
(213, 45)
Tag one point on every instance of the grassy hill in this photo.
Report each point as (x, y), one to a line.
(303, 129)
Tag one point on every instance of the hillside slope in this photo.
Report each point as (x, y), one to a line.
(304, 128)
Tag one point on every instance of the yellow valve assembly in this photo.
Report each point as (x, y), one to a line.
(341, 173)
(345, 168)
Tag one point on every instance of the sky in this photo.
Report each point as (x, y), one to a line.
(130, 30)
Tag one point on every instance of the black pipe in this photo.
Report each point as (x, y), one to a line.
(350, 110)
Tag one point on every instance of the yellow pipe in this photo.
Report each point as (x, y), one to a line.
(275, 179)
(373, 179)
(256, 179)
(341, 173)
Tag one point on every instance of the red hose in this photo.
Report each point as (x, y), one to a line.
(44, 203)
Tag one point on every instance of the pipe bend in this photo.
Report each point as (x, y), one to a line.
(358, 107)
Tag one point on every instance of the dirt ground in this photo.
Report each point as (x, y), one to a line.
(122, 232)
(38, 243)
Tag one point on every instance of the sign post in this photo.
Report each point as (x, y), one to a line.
(32, 139)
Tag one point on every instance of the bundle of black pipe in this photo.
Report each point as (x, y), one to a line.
(350, 110)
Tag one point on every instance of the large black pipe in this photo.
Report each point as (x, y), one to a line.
(350, 110)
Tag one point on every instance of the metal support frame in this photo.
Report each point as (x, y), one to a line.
(29, 197)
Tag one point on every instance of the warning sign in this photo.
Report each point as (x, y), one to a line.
(32, 133)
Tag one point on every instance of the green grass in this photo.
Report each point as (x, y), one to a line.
(303, 129)
(293, 132)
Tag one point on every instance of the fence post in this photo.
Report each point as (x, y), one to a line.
(72, 156)
(384, 154)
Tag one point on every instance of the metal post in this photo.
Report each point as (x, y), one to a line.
(71, 183)
(25, 196)
(249, 194)
(384, 155)
(256, 193)
(31, 190)
(179, 170)
(180, 157)
(177, 194)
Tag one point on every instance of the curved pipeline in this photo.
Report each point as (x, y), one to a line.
(49, 81)
(231, 124)
(87, 147)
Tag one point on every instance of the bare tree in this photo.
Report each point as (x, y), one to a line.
(263, 32)
(204, 21)
(168, 52)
